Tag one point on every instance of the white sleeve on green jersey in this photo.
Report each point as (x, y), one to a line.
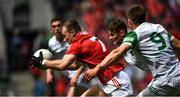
(130, 39)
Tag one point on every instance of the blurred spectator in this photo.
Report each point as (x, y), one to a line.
(15, 49)
(40, 87)
(155, 9)
(175, 9)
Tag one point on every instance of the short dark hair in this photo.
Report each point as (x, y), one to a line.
(56, 19)
(72, 25)
(116, 25)
(137, 14)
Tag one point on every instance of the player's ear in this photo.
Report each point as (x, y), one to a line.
(130, 23)
(73, 32)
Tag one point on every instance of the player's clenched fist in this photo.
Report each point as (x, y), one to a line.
(37, 61)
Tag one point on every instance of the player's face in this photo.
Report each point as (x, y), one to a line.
(56, 28)
(68, 36)
(116, 38)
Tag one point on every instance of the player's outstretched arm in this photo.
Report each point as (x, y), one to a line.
(62, 64)
(113, 57)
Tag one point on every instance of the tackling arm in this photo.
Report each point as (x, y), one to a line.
(114, 56)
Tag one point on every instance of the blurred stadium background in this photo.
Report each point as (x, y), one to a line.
(25, 27)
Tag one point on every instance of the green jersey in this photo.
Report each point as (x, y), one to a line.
(152, 43)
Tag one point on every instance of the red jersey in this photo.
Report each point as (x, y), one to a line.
(91, 51)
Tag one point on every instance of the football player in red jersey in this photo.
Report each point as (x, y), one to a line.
(87, 49)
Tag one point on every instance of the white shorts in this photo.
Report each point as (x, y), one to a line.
(120, 85)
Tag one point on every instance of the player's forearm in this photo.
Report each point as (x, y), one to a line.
(49, 76)
(114, 56)
(71, 91)
(55, 64)
(110, 59)
(48, 71)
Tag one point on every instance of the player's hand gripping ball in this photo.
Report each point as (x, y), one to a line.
(38, 58)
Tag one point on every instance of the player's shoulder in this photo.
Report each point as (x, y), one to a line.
(52, 40)
(152, 26)
(145, 27)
